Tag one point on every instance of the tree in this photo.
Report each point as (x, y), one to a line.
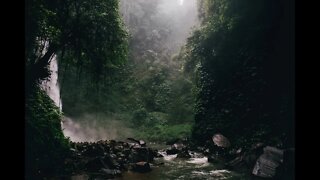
(90, 32)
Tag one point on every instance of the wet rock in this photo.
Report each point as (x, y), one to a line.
(243, 160)
(153, 153)
(184, 154)
(156, 154)
(111, 172)
(93, 150)
(172, 151)
(159, 155)
(221, 141)
(117, 149)
(105, 159)
(173, 141)
(179, 146)
(110, 161)
(141, 154)
(267, 164)
(126, 152)
(236, 164)
(235, 152)
(141, 167)
(95, 164)
(176, 148)
(213, 159)
(142, 143)
(133, 145)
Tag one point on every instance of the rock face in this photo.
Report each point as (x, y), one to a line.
(267, 164)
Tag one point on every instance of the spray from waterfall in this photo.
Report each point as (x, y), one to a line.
(87, 128)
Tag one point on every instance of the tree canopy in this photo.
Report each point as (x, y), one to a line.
(88, 33)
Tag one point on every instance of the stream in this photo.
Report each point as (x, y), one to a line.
(169, 167)
(196, 167)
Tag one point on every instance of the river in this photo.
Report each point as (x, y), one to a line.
(169, 167)
(196, 167)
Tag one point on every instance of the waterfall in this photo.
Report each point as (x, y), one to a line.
(51, 86)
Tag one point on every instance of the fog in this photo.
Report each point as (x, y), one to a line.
(169, 22)
(157, 26)
(91, 128)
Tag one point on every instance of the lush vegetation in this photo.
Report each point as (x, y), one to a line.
(234, 75)
(243, 60)
(149, 93)
(238, 65)
(88, 33)
(45, 143)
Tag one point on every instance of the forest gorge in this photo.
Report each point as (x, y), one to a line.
(108, 82)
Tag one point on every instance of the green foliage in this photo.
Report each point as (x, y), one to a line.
(45, 143)
(89, 34)
(164, 133)
(150, 89)
(89, 37)
(242, 58)
(139, 117)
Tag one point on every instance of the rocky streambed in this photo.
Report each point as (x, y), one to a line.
(133, 159)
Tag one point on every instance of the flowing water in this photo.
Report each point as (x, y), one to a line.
(174, 168)
(51, 86)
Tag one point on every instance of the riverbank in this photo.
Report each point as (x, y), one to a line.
(135, 159)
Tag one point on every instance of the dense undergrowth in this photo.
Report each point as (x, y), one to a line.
(45, 143)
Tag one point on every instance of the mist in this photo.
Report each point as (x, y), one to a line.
(170, 21)
(90, 128)
(157, 28)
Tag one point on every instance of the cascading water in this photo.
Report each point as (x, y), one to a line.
(77, 131)
(51, 86)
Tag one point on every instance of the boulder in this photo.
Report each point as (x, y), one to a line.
(110, 161)
(111, 172)
(173, 141)
(95, 165)
(93, 150)
(245, 159)
(141, 154)
(179, 146)
(267, 164)
(172, 151)
(221, 141)
(142, 143)
(184, 154)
